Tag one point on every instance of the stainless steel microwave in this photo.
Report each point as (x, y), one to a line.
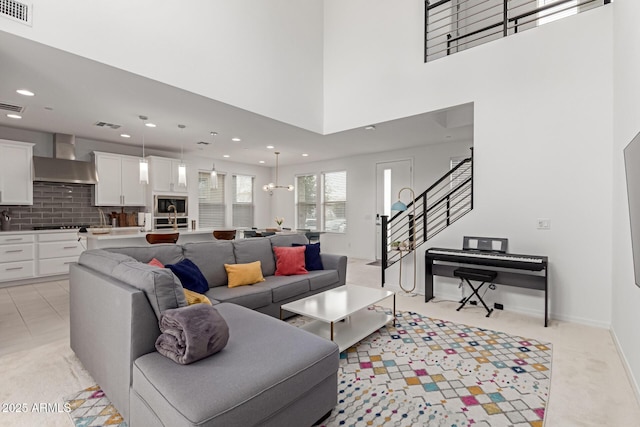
(162, 203)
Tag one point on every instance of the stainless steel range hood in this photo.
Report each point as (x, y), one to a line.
(63, 166)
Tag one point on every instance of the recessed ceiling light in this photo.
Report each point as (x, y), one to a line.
(305, 155)
(370, 127)
(14, 116)
(150, 125)
(226, 156)
(270, 147)
(124, 135)
(236, 139)
(25, 92)
(261, 161)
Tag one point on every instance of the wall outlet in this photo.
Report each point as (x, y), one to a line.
(544, 224)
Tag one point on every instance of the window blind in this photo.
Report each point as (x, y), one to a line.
(211, 204)
(335, 201)
(306, 201)
(242, 208)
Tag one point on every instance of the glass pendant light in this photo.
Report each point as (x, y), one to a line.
(182, 168)
(144, 165)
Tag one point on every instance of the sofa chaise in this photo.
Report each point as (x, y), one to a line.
(270, 373)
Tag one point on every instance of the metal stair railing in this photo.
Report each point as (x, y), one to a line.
(452, 26)
(436, 208)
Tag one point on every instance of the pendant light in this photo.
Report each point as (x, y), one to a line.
(213, 182)
(182, 168)
(271, 186)
(144, 165)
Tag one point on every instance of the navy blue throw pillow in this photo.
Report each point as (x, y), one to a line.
(312, 260)
(190, 276)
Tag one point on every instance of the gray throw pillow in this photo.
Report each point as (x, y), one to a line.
(162, 288)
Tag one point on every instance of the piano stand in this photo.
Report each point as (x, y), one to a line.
(522, 271)
(483, 276)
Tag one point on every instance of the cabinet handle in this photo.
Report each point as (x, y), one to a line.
(13, 268)
(13, 251)
(17, 239)
(70, 247)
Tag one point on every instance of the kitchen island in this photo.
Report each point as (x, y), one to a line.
(130, 236)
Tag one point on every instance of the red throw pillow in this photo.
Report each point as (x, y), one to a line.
(289, 261)
(156, 263)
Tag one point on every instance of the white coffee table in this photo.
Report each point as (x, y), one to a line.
(348, 303)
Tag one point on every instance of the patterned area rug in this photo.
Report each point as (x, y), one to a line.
(91, 408)
(416, 372)
(429, 372)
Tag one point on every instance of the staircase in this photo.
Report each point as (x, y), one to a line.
(446, 201)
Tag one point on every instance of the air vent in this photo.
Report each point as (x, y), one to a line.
(108, 125)
(16, 10)
(10, 107)
(203, 143)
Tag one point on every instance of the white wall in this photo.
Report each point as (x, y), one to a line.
(542, 98)
(542, 133)
(626, 295)
(242, 52)
(430, 162)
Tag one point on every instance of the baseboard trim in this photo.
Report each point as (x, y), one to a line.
(538, 313)
(625, 363)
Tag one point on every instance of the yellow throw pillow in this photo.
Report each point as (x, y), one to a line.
(244, 274)
(195, 298)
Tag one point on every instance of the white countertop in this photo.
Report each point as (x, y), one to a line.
(134, 232)
(58, 230)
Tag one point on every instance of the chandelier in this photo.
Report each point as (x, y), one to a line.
(271, 186)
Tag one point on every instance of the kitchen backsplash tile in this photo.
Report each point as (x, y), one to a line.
(60, 204)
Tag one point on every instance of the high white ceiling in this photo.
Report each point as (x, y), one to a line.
(75, 93)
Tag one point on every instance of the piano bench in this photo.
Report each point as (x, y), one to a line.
(475, 274)
(482, 276)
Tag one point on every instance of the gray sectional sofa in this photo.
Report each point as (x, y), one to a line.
(270, 373)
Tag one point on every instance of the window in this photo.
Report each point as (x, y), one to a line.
(327, 213)
(462, 174)
(211, 205)
(242, 201)
(557, 12)
(461, 198)
(334, 201)
(306, 202)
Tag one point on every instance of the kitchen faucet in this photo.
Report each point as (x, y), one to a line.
(174, 221)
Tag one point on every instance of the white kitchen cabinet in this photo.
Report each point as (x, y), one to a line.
(16, 180)
(163, 175)
(56, 251)
(118, 180)
(28, 257)
(17, 257)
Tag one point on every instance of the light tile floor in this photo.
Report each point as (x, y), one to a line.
(589, 386)
(33, 315)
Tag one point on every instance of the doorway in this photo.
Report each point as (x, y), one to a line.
(390, 178)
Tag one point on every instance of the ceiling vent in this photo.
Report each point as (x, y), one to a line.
(203, 143)
(16, 11)
(108, 125)
(10, 107)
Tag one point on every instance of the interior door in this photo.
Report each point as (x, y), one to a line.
(390, 178)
